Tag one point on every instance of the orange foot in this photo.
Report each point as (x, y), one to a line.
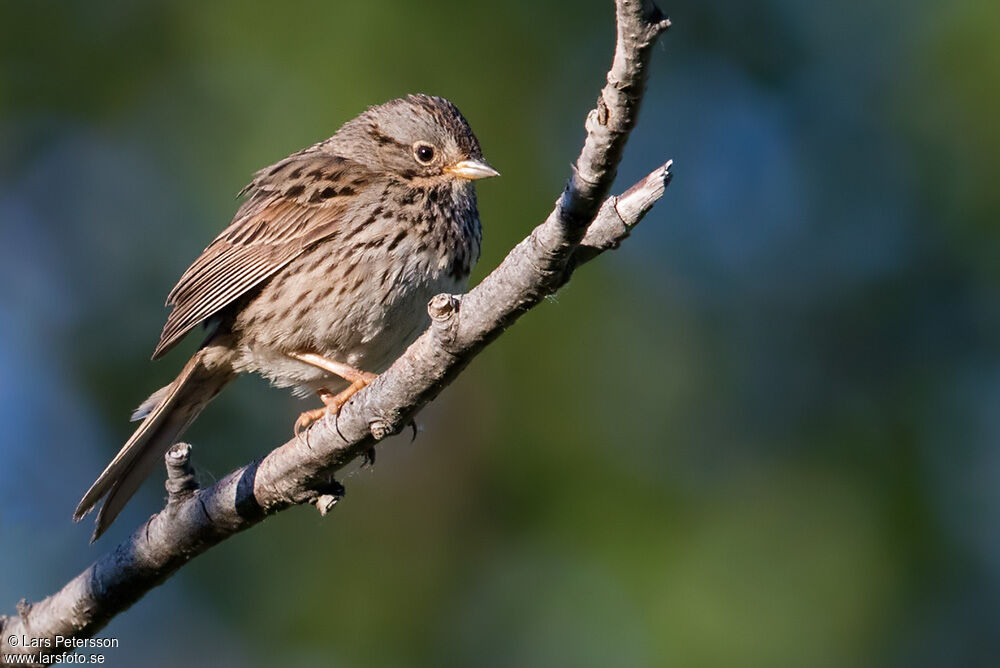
(332, 402)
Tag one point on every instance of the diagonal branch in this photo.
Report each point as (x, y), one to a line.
(584, 223)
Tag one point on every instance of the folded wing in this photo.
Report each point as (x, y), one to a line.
(291, 205)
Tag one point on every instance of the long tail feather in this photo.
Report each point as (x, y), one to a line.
(178, 405)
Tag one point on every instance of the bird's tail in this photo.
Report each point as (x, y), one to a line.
(165, 416)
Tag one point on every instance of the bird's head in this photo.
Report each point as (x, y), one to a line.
(416, 138)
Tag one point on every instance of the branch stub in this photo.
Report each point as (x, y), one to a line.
(442, 307)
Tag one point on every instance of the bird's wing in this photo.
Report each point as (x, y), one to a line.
(292, 204)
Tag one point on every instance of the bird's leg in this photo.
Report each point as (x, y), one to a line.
(345, 371)
(332, 402)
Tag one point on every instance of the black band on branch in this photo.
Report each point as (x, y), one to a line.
(247, 506)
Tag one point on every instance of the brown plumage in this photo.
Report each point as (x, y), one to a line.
(323, 276)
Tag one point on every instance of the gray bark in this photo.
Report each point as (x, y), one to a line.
(584, 223)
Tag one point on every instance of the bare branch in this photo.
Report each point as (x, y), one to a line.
(583, 224)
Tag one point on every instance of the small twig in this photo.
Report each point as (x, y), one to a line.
(328, 496)
(618, 215)
(181, 482)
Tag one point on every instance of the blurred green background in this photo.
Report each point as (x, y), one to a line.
(763, 433)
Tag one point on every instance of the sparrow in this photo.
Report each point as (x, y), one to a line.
(321, 279)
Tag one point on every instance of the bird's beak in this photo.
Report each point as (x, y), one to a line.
(471, 170)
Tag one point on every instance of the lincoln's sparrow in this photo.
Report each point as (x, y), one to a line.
(322, 278)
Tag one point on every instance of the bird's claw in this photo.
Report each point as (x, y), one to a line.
(306, 420)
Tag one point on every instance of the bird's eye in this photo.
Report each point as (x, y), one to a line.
(424, 153)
